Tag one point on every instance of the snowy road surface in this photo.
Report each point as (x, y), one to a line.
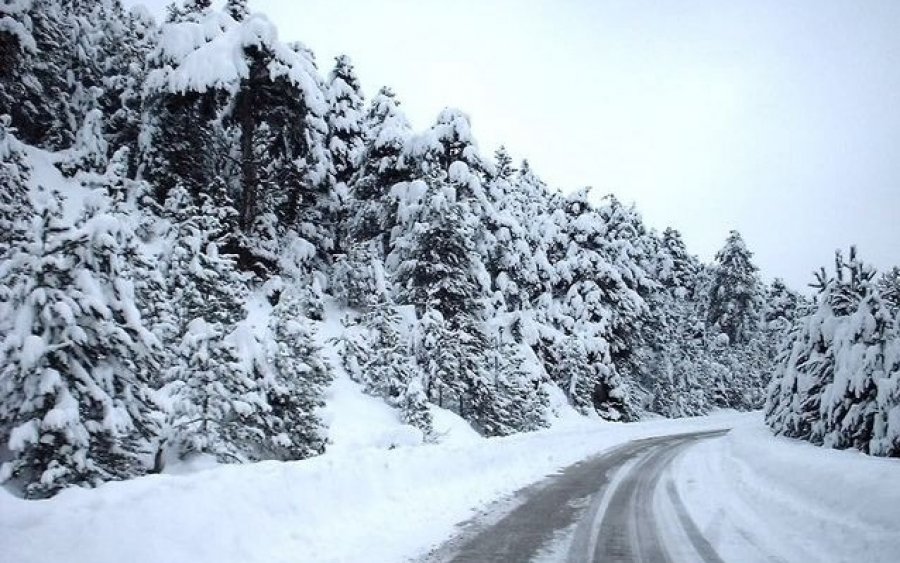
(621, 506)
(754, 497)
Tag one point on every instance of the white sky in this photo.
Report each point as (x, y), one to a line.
(778, 118)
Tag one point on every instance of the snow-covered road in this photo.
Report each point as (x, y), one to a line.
(620, 506)
(753, 497)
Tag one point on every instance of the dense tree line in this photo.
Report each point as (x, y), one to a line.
(223, 195)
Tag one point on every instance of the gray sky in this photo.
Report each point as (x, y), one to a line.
(778, 118)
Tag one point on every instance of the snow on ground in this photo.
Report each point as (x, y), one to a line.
(355, 420)
(761, 498)
(367, 504)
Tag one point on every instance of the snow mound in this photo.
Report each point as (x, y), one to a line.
(356, 420)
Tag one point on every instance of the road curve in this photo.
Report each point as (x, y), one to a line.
(616, 507)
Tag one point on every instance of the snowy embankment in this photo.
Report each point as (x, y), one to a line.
(365, 504)
(761, 498)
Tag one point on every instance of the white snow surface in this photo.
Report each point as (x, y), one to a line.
(762, 498)
(365, 504)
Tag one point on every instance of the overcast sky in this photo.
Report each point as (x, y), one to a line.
(777, 118)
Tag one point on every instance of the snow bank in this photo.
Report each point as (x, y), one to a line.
(363, 505)
(761, 498)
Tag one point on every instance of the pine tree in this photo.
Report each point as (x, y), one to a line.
(358, 275)
(514, 400)
(219, 404)
(390, 372)
(437, 267)
(824, 389)
(596, 304)
(346, 141)
(510, 252)
(849, 406)
(386, 133)
(503, 164)
(15, 172)
(297, 387)
(886, 426)
(75, 394)
(264, 128)
(734, 302)
(37, 46)
(889, 288)
(345, 120)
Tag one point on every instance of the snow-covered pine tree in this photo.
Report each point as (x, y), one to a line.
(218, 406)
(78, 362)
(438, 274)
(886, 428)
(89, 151)
(514, 399)
(296, 387)
(735, 293)
(677, 386)
(436, 258)
(386, 132)
(437, 366)
(849, 406)
(129, 42)
(631, 249)
(346, 140)
(358, 275)
(62, 59)
(595, 301)
(179, 140)
(511, 255)
(15, 206)
(449, 140)
(389, 370)
(264, 127)
(889, 288)
(503, 164)
(36, 46)
(806, 369)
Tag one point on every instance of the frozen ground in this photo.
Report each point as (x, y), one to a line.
(751, 494)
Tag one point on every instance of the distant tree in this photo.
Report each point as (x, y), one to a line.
(734, 300)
